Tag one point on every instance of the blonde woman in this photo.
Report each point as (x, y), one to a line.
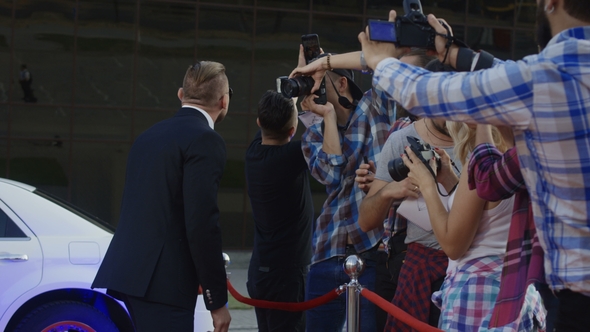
(473, 233)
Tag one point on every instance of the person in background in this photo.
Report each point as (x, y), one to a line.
(278, 187)
(26, 80)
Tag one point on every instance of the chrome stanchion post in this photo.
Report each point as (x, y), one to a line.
(227, 262)
(353, 266)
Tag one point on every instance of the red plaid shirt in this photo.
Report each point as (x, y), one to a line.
(497, 176)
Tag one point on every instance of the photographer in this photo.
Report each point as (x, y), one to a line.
(545, 99)
(425, 263)
(472, 233)
(354, 125)
(278, 187)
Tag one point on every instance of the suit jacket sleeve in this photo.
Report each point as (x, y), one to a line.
(203, 168)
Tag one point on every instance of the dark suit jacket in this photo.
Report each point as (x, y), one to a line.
(168, 240)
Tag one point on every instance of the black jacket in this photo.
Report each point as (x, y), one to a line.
(168, 240)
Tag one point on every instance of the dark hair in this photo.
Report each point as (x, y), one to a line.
(275, 114)
(578, 9)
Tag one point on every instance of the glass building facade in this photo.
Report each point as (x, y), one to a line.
(104, 71)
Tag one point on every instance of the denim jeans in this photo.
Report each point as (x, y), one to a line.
(326, 275)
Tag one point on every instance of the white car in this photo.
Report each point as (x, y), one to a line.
(50, 252)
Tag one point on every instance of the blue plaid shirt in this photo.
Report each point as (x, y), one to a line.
(545, 98)
(364, 135)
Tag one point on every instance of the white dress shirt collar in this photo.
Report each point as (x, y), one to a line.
(209, 118)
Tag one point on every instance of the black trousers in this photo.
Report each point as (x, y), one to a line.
(573, 312)
(157, 317)
(278, 285)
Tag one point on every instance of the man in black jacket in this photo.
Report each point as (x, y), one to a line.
(168, 241)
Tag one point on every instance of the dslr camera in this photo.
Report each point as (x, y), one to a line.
(301, 86)
(399, 171)
(410, 30)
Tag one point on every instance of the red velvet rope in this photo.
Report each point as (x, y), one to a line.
(295, 306)
(397, 312)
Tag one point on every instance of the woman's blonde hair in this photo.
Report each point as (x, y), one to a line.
(464, 137)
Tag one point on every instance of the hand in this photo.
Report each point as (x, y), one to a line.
(316, 69)
(325, 111)
(419, 175)
(440, 42)
(221, 319)
(374, 51)
(365, 175)
(400, 190)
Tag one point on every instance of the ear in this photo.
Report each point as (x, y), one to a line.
(223, 103)
(258, 123)
(292, 132)
(180, 93)
(343, 84)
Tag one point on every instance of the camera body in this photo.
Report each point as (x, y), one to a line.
(301, 86)
(399, 171)
(410, 30)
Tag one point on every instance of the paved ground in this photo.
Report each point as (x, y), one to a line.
(243, 320)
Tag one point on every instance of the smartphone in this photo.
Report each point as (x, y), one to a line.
(311, 46)
(383, 31)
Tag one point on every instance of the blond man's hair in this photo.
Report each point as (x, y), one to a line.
(204, 83)
(464, 138)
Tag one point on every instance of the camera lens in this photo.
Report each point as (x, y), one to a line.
(297, 86)
(289, 88)
(398, 170)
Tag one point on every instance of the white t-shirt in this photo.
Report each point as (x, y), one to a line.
(492, 234)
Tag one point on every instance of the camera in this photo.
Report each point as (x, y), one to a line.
(410, 30)
(301, 86)
(399, 171)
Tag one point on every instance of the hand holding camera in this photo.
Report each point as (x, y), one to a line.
(414, 29)
(420, 153)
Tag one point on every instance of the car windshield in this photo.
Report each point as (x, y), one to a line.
(76, 210)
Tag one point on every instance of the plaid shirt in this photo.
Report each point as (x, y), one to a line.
(497, 176)
(545, 98)
(363, 135)
(422, 267)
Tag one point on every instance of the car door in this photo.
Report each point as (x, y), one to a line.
(21, 259)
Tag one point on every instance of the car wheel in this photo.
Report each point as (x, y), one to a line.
(67, 316)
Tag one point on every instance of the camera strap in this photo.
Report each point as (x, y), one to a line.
(450, 40)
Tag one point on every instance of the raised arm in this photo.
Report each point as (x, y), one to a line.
(494, 175)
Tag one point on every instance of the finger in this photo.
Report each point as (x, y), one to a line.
(361, 172)
(411, 193)
(407, 161)
(433, 21)
(295, 72)
(392, 15)
(321, 50)
(362, 37)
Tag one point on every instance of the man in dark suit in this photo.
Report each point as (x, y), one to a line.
(168, 241)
